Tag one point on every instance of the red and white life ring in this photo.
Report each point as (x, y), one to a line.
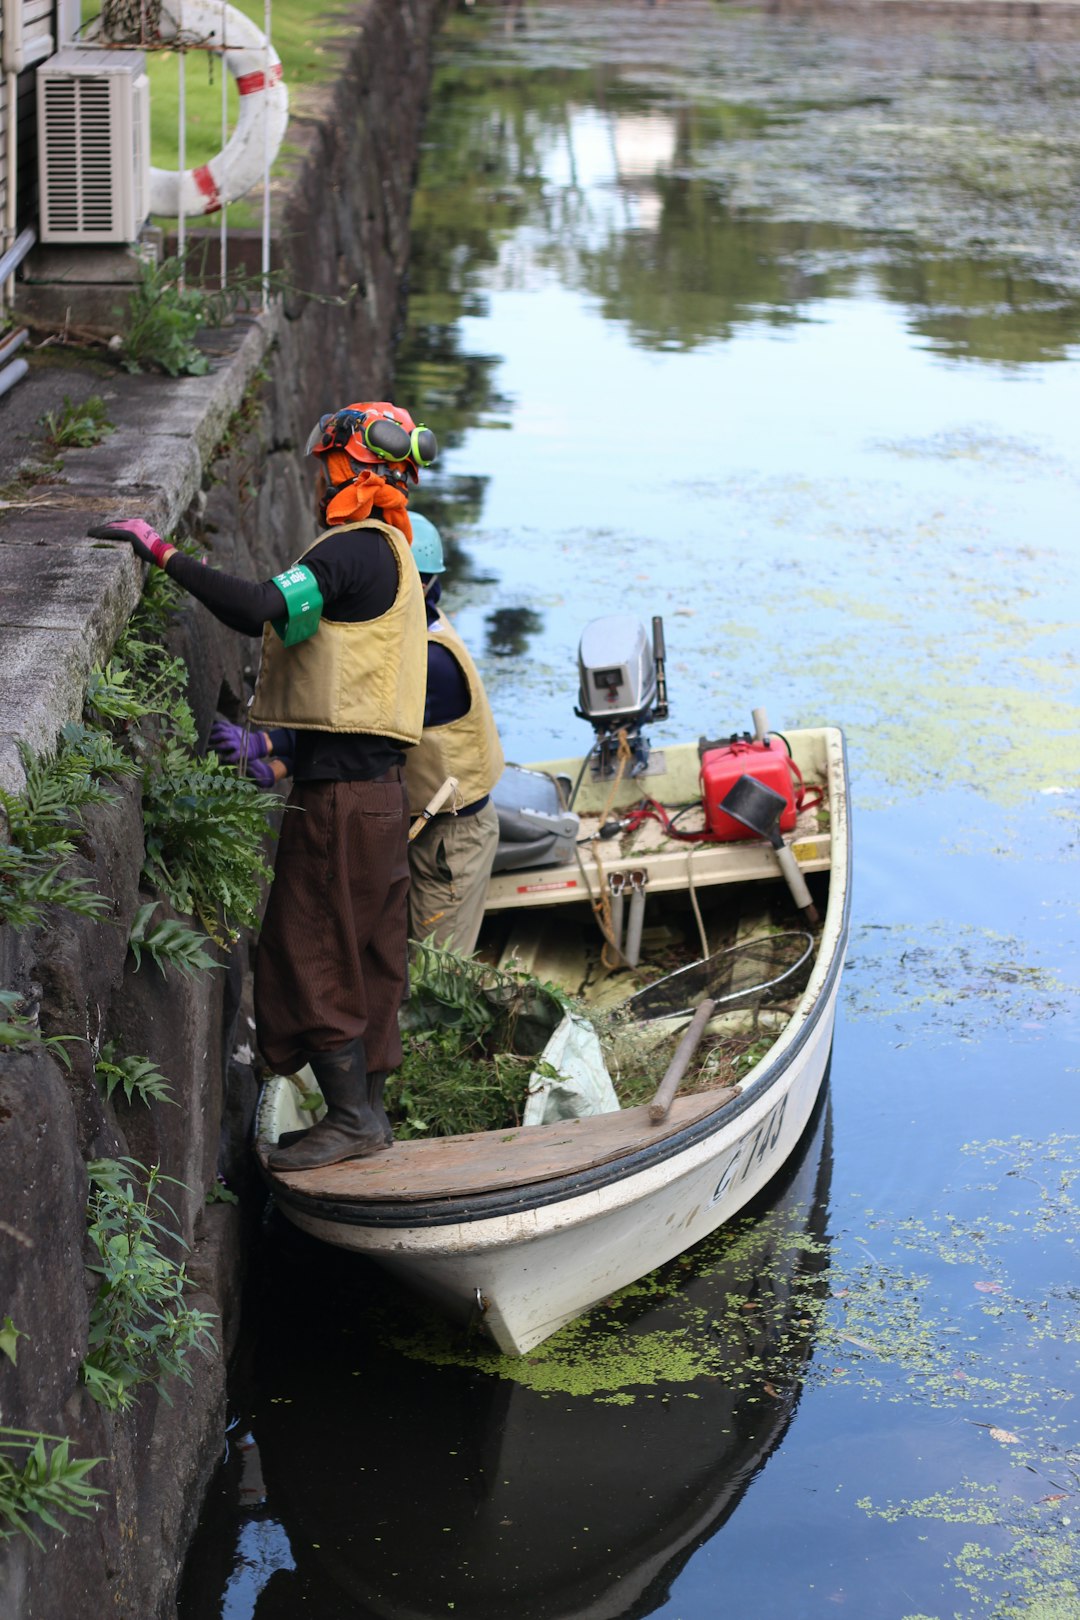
(263, 96)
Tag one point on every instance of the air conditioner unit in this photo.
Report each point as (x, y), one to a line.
(93, 145)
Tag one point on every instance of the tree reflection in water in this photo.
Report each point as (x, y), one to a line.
(509, 629)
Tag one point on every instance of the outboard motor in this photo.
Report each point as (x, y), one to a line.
(622, 687)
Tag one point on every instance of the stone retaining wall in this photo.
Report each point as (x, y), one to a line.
(217, 457)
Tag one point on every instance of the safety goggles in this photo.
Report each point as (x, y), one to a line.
(382, 435)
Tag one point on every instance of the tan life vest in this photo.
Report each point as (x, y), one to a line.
(369, 676)
(468, 748)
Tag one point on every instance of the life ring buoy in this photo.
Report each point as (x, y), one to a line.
(263, 96)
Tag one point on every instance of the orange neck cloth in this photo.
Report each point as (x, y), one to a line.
(355, 500)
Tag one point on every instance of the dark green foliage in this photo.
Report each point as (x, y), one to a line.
(163, 318)
(204, 830)
(448, 1085)
(141, 1329)
(42, 822)
(471, 1036)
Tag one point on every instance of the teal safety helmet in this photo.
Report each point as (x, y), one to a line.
(426, 545)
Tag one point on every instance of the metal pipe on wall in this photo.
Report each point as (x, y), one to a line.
(12, 374)
(223, 236)
(266, 160)
(181, 160)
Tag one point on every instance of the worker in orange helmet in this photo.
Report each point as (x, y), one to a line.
(344, 664)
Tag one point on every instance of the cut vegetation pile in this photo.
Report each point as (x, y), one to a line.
(473, 1034)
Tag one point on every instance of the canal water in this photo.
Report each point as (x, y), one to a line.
(770, 325)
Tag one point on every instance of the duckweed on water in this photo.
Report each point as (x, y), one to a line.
(944, 982)
(1032, 1568)
(788, 1309)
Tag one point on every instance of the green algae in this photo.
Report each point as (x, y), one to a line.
(1029, 1567)
(774, 1289)
(942, 982)
(934, 1313)
(655, 1332)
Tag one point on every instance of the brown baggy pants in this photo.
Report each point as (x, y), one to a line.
(331, 960)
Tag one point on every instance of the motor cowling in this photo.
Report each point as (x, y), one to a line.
(616, 672)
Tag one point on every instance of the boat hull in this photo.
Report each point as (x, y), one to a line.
(522, 1231)
(526, 1273)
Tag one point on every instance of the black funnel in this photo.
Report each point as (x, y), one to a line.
(758, 807)
(754, 805)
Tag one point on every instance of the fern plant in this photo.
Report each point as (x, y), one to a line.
(142, 1330)
(44, 820)
(170, 942)
(33, 1481)
(204, 831)
(137, 1076)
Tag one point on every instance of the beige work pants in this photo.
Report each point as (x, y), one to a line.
(449, 867)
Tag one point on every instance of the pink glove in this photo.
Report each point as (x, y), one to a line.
(228, 741)
(144, 541)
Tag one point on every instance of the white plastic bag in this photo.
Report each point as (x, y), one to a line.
(582, 1085)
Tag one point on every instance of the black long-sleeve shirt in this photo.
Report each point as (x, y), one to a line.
(358, 578)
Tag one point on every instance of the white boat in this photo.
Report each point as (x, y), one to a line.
(522, 1230)
(530, 1491)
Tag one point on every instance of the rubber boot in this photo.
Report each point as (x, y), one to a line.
(376, 1084)
(350, 1129)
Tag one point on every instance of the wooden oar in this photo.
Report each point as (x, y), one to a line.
(676, 1069)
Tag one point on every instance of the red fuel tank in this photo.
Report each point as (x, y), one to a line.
(722, 765)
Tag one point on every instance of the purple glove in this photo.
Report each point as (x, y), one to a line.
(144, 541)
(261, 771)
(229, 742)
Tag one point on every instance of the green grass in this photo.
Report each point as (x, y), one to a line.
(302, 38)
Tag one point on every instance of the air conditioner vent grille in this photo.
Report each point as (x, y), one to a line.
(93, 146)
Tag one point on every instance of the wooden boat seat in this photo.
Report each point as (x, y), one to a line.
(486, 1161)
(666, 862)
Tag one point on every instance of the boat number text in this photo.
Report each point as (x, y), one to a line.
(751, 1151)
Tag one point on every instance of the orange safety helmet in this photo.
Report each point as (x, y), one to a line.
(373, 432)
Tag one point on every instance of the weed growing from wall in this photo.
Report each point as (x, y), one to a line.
(162, 319)
(34, 1481)
(142, 1331)
(136, 1076)
(18, 1033)
(76, 426)
(39, 1482)
(42, 823)
(169, 943)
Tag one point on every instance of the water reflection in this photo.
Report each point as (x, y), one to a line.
(509, 630)
(410, 1487)
(625, 187)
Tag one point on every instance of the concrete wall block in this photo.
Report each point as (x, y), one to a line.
(60, 613)
(43, 1222)
(176, 1021)
(45, 675)
(92, 588)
